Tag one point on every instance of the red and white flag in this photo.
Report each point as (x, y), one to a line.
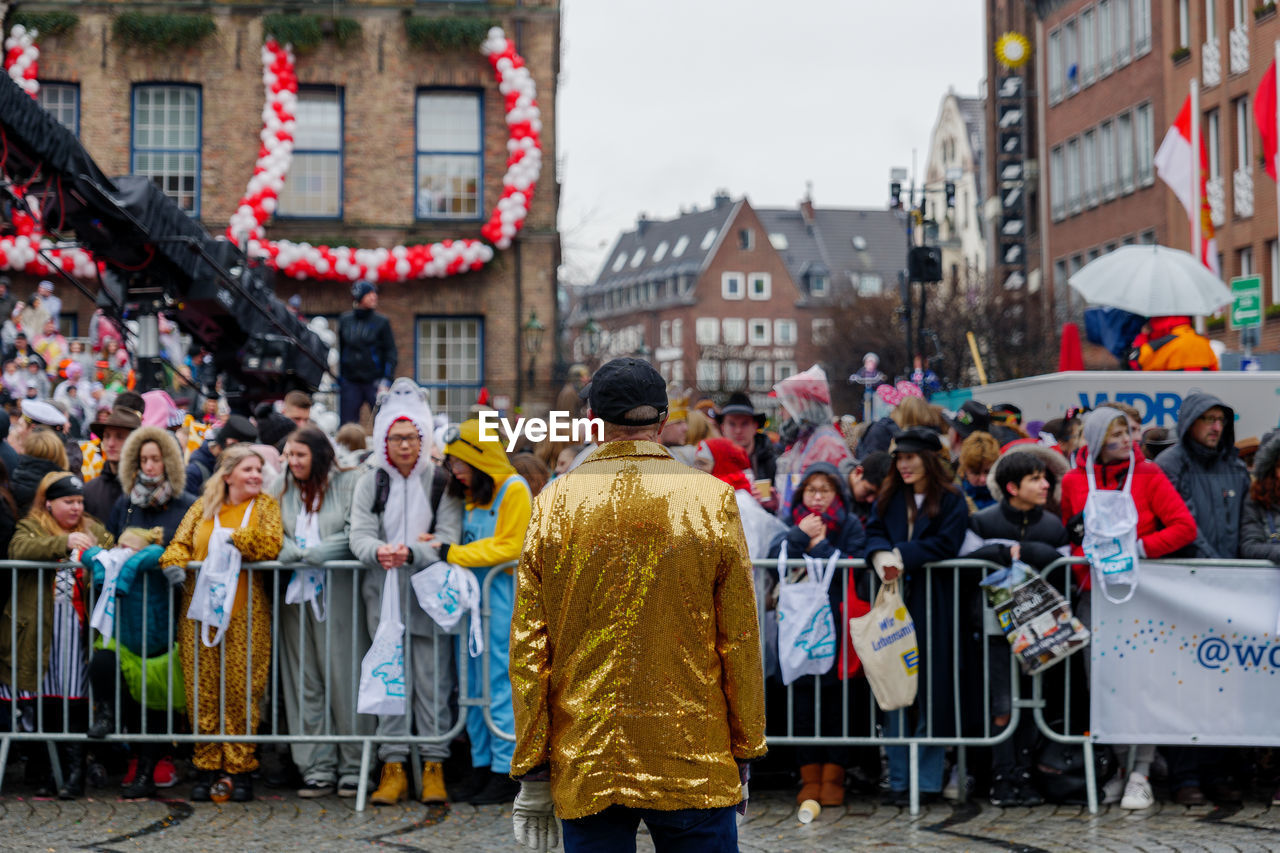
(1264, 111)
(1174, 165)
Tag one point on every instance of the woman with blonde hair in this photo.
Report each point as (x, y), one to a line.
(42, 453)
(46, 654)
(232, 507)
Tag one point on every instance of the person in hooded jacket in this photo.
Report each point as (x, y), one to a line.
(152, 477)
(1260, 522)
(1207, 472)
(498, 506)
(1165, 525)
(317, 659)
(821, 527)
(396, 504)
(43, 454)
(920, 517)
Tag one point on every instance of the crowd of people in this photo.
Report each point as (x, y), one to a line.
(121, 499)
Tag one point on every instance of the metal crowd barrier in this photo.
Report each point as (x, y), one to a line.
(959, 576)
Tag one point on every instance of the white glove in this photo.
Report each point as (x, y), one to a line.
(533, 817)
(175, 575)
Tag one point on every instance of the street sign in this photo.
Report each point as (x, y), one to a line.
(1246, 301)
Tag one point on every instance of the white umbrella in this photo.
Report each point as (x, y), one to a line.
(1153, 281)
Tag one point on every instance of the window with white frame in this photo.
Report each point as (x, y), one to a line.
(677, 333)
(1144, 130)
(620, 262)
(1243, 132)
(708, 374)
(759, 286)
(1141, 27)
(760, 375)
(660, 252)
(706, 331)
(450, 362)
(735, 331)
(63, 101)
(664, 333)
(822, 330)
(732, 285)
(1073, 175)
(758, 333)
(1057, 182)
(677, 372)
(1071, 55)
(680, 246)
(1244, 261)
(1124, 151)
(746, 239)
(1240, 16)
(735, 374)
(817, 284)
(1088, 44)
(638, 258)
(870, 284)
(166, 141)
(1273, 252)
(784, 333)
(1210, 21)
(1090, 170)
(1106, 49)
(314, 188)
(1107, 158)
(1057, 71)
(778, 240)
(708, 239)
(1213, 141)
(449, 147)
(783, 370)
(1184, 23)
(1122, 18)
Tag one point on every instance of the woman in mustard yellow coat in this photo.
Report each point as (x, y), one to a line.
(233, 501)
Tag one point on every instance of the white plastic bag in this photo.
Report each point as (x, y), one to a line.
(103, 619)
(1111, 536)
(445, 592)
(806, 628)
(215, 592)
(308, 585)
(885, 640)
(759, 525)
(382, 682)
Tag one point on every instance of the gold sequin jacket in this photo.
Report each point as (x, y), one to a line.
(635, 651)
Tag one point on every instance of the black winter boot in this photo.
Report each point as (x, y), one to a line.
(143, 786)
(103, 721)
(241, 787)
(72, 755)
(204, 782)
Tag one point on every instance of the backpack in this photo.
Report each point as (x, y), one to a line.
(382, 491)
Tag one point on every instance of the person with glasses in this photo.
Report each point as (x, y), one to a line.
(498, 502)
(822, 525)
(396, 505)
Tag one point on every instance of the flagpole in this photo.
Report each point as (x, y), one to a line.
(1196, 202)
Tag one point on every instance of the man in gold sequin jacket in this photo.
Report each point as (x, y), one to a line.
(635, 654)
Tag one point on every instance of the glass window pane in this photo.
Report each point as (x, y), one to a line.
(448, 121)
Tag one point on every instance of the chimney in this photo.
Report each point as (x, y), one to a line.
(721, 199)
(642, 223)
(806, 203)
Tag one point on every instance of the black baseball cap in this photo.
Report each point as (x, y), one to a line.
(620, 386)
(971, 416)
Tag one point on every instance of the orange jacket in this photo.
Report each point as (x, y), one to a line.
(1182, 349)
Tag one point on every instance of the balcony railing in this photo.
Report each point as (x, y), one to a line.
(1239, 50)
(1211, 64)
(1242, 191)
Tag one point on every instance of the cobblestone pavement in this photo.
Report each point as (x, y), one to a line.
(279, 823)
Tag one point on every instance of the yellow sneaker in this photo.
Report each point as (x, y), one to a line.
(393, 787)
(433, 783)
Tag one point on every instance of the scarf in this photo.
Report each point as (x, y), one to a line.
(729, 462)
(834, 516)
(152, 492)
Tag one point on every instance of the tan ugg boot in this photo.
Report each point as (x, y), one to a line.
(811, 779)
(832, 793)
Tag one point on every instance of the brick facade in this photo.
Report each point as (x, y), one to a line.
(379, 75)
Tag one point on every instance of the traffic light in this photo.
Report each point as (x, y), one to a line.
(950, 189)
(924, 263)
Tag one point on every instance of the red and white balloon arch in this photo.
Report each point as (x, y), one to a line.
(247, 225)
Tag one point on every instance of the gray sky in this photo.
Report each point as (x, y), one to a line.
(664, 101)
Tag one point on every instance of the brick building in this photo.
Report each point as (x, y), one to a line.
(731, 297)
(379, 115)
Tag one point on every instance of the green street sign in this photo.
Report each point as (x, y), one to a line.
(1246, 301)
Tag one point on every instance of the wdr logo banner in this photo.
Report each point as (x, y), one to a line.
(1193, 657)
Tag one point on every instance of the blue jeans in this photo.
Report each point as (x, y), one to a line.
(682, 831)
(352, 396)
(932, 758)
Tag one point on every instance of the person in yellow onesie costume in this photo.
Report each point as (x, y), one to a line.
(498, 503)
(232, 501)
